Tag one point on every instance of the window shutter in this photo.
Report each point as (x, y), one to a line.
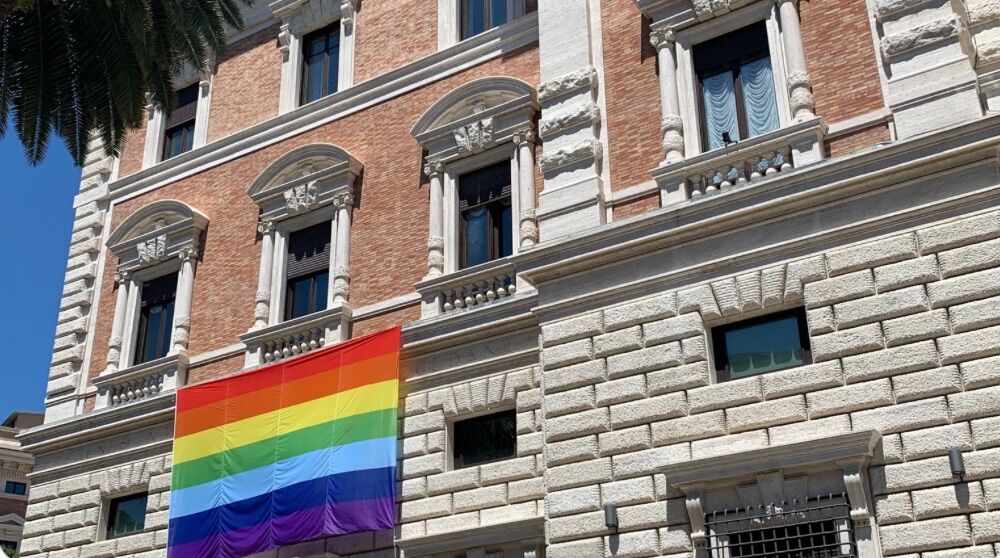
(187, 106)
(483, 185)
(308, 250)
(159, 290)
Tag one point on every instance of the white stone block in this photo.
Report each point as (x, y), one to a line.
(570, 401)
(809, 430)
(508, 470)
(575, 500)
(975, 404)
(897, 477)
(578, 474)
(506, 514)
(678, 378)
(928, 383)
(638, 490)
(576, 549)
(966, 259)
(572, 329)
(634, 544)
(412, 489)
(893, 508)
(981, 373)
(906, 273)
(726, 445)
(480, 498)
(903, 417)
(964, 288)
(619, 341)
(624, 441)
(854, 397)
(985, 527)
(801, 272)
(964, 231)
(969, 346)
(529, 399)
(694, 427)
(948, 500)
(672, 329)
(453, 481)
(897, 360)
(847, 342)
(420, 424)
(802, 379)
(766, 413)
(453, 523)
(655, 408)
(426, 508)
(918, 327)
(986, 432)
(871, 254)
(573, 376)
(576, 425)
(930, 442)
(573, 527)
(645, 310)
(881, 307)
(621, 390)
(974, 315)
(725, 394)
(838, 289)
(423, 465)
(648, 462)
(821, 320)
(527, 489)
(571, 451)
(926, 535)
(530, 444)
(637, 362)
(568, 353)
(698, 299)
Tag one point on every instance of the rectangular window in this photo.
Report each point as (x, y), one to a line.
(126, 516)
(156, 318)
(765, 344)
(484, 205)
(321, 62)
(736, 87)
(307, 271)
(482, 15)
(180, 126)
(484, 439)
(18, 488)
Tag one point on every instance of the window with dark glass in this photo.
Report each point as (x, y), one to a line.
(156, 318)
(321, 61)
(126, 515)
(484, 439)
(484, 206)
(180, 125)
(736, 87)
(307, 271)
(9, 546)
(18, 488)
(760, 345)
(482, 15)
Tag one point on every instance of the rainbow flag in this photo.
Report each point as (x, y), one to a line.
(297, 450)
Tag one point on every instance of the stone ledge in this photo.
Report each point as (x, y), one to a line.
(524, 529)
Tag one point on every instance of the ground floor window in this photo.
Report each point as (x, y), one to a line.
(126, 515)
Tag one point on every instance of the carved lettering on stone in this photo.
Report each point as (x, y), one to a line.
(475, 137)
(152, 250)
(301, 197)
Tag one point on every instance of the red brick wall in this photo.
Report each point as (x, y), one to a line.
(389, 236)
(385, 321)
(130, 161)
(10, 505)
(632, 94)
(392, 33)
(844, 72)
(638, 206)
(246, 84)
(858, 140)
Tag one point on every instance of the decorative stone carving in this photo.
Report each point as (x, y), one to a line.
(475, 137)
(187, 253)
(301, 197)
(284, 40)
(432, 168)
(856, 495)
(124, 479)
(152, 250)
(584, 78)
(435, 255)
(524, 136)
(662, 38)
(568, 117)
(696, 517)
(122, 277)
(920, 36)
(347, 12)
(982, 11)
(580, 151)
(265, 226)
(345, 199)
(529, 226)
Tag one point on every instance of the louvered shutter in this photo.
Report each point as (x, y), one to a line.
(187, 106)
(483, 185)
(308, 250)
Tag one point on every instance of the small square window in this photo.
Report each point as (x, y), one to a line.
(126, 515)
(761, 345)
(484, 439)
(18, 488)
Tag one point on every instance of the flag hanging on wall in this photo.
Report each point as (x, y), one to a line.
(293, 451)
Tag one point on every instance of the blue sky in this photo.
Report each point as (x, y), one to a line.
(35, 235)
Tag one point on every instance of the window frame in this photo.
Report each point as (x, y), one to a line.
(451, 437)
(133, 307)
(108, 518)
(716, 336)
(156, 145)
(326, 32)
(492, 239)
(141, 324)
(23, 485)
(279, 275)
(451, 19)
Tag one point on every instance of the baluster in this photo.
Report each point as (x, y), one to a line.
(459, 299)
(470, 298)
(772, 165)
(783, 160)
(446, 304)
(511, 286)
(481, 292)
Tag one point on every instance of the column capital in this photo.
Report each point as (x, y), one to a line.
(433, 167)
(345, 200)
(122, 276)
(662, 38)
(347, 12)
(524, 135)
(187, 253)
(265, 226)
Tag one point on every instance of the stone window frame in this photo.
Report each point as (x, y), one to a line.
(105, 517)
(679, 106)
(156, 124)
(483, 122)
(749, 315)
(847, 454)
(308, 185)
(449, 16)
(299, 18)
(449, 435)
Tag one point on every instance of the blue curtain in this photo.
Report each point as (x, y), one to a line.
(477, 249)
(719, 98)
(758, 96)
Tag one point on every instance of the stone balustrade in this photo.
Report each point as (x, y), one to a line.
(295, 337)
(469, 288)
(742, 163)
(141, 381)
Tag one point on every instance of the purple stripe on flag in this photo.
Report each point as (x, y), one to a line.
(326, 520)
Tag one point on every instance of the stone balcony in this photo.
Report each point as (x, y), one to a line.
(298, 336)
(747, 161)
(469, 289)
(141, 381)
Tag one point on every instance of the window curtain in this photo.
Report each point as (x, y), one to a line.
(719, 99)
(476, 236)
(758, 96)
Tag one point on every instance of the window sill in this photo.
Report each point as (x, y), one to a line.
(141, 381)
(468, 289)
(297, 336)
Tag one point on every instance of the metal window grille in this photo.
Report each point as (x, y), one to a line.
(820, 527)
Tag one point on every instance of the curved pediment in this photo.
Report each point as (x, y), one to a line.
(476, 97)
(302, 163)
(155, 217)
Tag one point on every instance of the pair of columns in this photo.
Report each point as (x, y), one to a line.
(527, 229)
(339, 290)
(128, 291)
(798, 83)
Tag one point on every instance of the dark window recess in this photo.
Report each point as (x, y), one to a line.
(321, 62)
(764, 344)
(9, 546)
(18, 488)
(307, 271)
(482, 15)
(156, 318)
(819, 529)
(180, 126)
(126, 515)
(484, 439)
(736, 86)
(484, 206)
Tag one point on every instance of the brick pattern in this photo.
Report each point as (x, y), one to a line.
(628, 389)
(435, 497)
(637, 206)
(246, 84)
(857, 141)
(386, 40)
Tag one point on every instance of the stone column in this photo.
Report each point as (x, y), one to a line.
(528, 226)
(201, 113)
(799, 86)
(291, 68)
(671, 124)
(118, 323)
(262, 306)
(435, 239)
(182, 304)
(348, 19)
(340, 286)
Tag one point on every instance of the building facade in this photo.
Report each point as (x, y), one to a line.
(15, 464)
(676, 277)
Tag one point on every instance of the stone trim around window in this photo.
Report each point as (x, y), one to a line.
(450, 20)
(300, 17)
(156, 120)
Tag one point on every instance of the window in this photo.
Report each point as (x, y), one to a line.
(736, 87)
(9, 546)
(156, 318)
(126, 515)
(180, 126)
(478, 16)
(321, 62)
(761, 345)
(18, 488)
(484, 439)
(484, 204)
(308, 270)
(821, 528)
